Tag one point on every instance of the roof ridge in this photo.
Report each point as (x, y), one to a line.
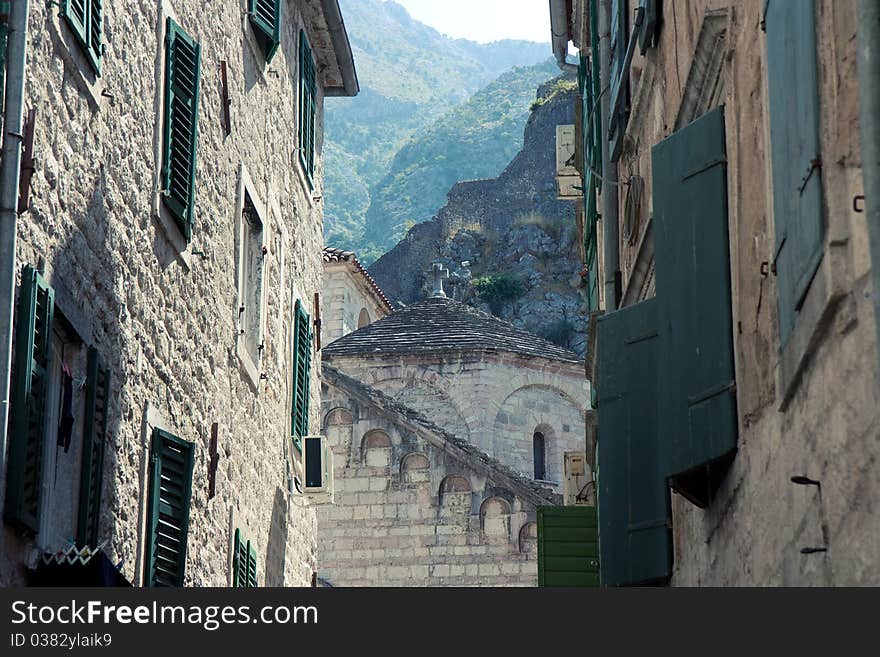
(461, 448)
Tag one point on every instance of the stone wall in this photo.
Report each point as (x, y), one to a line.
(411, 510)
(348, 301)
(164, 316)
(810, 408)
(495, 401)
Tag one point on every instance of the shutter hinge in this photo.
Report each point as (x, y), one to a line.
(767, 268)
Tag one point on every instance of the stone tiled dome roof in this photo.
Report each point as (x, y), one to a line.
(441, 324)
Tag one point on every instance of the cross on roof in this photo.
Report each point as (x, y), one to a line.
(440, 273)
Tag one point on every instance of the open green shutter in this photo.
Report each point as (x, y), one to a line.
(307, 106)
(86, 20)
(33, 356)
(792, 83)
(171, 468)
(94, 446)
(691, 246)
(182, 56)
(266, 19)
(251, 566)
(244, 563)
(568, 546)
(76, 14)
(634, 517)
(302, 360)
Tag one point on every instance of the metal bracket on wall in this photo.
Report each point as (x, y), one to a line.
(27, 162)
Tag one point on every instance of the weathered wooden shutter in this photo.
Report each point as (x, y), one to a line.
(171, 468)
(266, 18)
(307, 106)
(619, 76)
(698, 416)
(94, 446)
(792, 83)
(634, 516)
(568, 546)
(302, 360)
(76, 14)
(30, 382)
(85, 19)
(244, 566)
(182, 56)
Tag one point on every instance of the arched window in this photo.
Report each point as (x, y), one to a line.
(363, 318)
(540, 455)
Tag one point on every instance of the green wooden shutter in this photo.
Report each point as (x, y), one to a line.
(634, 516)
(182, 56)
(307, 106)
(792, 83)
(171, 468)
(86, 20)
(76, 14)
(94, 445)
(33, 356)
(568, 546)
(302, 360)
(266, 18)
(244, 563)
(619, 76)
(698, 417)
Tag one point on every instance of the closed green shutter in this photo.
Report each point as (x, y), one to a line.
(698, 416)
(792, 83)
(634, 517)
(307, 107)
(568, 546)
(171, 468)
(619, 77)
(266, 18)
(302, 361)
(94, 445)
(86, 20)
(182, 56)
(244, 566)
(33, 356)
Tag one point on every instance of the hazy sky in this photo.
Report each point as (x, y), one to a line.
(484, 20)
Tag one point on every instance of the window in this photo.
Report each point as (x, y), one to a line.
(266, 18)
(307, 108)
(540, 455)
(170, 488)
(302, 360)
(244, 563)
(182, 56)
(363, 318)
(86, 20)
(251, 282)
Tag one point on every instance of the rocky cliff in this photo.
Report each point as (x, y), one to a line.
(508, 242)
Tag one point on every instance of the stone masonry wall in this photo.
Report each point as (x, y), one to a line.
(345, 296)
(165, 318)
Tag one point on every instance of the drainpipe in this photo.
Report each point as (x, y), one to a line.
(609, 169)
(559, 22)
(868, 61)
(10, 165)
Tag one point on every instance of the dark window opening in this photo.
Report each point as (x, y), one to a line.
(539, 455)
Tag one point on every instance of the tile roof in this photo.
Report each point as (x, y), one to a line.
(440, 325)
(331, 254)
(461, 449)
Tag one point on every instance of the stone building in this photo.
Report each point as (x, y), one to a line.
(737, 355)
(351, 299)
(448, 428)
(167, 259)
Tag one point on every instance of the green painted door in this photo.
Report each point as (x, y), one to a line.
(568, 546)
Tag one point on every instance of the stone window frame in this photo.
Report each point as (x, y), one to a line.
(246, 192)
(70, 50)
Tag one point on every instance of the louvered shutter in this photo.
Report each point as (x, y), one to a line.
(698, 415)
(792, 83)
(85, 19)
(182, 57)
(76, 13)
(266, 18)
(302, 360)
(244, 570)
(568, 546)
(633, 499)
(619, 77)
(307, 106)
(171, 468)
(94, 446)
(33, 355)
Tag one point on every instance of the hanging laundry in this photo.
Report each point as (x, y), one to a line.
(65, 425)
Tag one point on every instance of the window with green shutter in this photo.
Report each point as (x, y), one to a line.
(568, 546)
(692, 262)
(302, 362)
(635, 542)
(308, 98)
(170, 488)
(30, 382)
(265, 16)
(792, 85)
(182, 56)
(94, 446)
(86, 19)
(244, 563)
(620, 97)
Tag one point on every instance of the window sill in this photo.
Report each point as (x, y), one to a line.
(170, 230)
(814, 320)
(248, 366)
(310, 191)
